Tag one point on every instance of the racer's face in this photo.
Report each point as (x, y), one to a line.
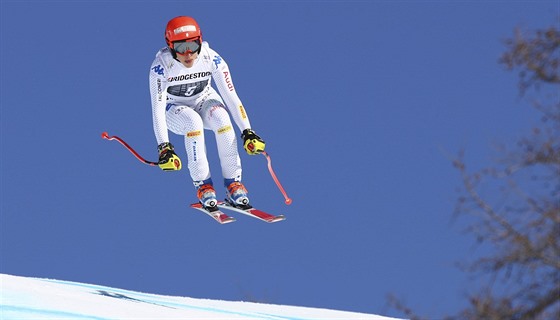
(187, 51)
(187, 59)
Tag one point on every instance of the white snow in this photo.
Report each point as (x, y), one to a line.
(33, 298)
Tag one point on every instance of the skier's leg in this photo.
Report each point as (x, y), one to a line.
(216, 118)
(187, 122)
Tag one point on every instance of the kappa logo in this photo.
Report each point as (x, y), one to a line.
(217, 60)
(158, 69)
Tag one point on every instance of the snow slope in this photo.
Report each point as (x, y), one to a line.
(31, 298)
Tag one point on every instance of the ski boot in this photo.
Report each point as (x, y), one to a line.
(236, 194)
(207, 194)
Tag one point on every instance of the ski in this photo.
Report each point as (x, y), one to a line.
(251, 212)
(215, 213)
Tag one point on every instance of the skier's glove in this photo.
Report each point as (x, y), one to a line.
(168, 160)
(252, 143)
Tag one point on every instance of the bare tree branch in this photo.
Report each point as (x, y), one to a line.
(515, 202)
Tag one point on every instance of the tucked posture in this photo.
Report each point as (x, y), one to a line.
(185, 103)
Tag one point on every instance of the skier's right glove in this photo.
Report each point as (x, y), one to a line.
(168, 160)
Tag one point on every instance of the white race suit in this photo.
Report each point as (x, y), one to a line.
(184, 102)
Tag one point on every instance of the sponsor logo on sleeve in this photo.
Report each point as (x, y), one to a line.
(228, 81)
(158, 69)
(159, 90)
(242, 111)
(217, 60)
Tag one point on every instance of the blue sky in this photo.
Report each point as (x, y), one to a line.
(361, 104)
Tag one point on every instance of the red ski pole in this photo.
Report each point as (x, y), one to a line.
(288, 200)
(105, 135)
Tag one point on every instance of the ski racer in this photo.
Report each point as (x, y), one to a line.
(185, 103)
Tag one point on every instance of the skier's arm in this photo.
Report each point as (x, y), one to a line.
(224, 83)
(158, 95)
(168, 160)
(252, 143)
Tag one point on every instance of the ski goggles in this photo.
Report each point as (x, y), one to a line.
(183, 47)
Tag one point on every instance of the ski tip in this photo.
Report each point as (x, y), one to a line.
(105, 135)
(228, 220)
(276, 219)
(289, 201)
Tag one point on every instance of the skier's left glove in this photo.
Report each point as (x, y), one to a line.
(168, 160)
(252, 143)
